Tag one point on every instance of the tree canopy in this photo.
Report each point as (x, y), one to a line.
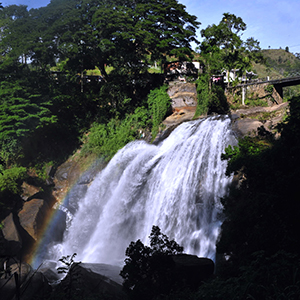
(224, 49)
(126, 35)
(70, 37)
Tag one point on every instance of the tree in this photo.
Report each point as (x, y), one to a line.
(141, 32)
(223, 46)
(16, 33)
(148, 271)
(23, 110)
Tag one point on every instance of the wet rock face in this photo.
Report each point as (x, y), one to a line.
(71, 173)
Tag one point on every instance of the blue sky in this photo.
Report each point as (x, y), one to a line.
(274, 23)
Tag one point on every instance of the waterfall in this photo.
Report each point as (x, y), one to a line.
(176, 185)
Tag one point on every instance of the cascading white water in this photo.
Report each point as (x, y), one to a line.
(175, 185)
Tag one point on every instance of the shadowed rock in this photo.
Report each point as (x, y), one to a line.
(33, 216)
(11, 240)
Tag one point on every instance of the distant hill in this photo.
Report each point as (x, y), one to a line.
(278, 62)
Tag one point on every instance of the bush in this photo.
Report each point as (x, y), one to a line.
(159, 104)
(10, 188)
(210, 99)
(203, 94)
(11, 180)
(107, 139)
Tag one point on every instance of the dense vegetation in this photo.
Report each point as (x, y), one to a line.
(48, 107)
(48, 104)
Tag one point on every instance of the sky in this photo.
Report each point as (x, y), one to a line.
(274, 23)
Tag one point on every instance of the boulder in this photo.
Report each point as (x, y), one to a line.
(109, 271)
(28, 190)
(247, 126)
(193, 270)
(82, 281)
(49, 270)
(12, 279)
(35, 287)
(32, 217)
(73, 172)
(11, 240)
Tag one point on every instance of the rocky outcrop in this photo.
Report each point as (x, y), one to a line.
(247, 121)
(29, 190)
(75, 171)
(255, 91)
(193, 270)
(180, 114)
(182, 94)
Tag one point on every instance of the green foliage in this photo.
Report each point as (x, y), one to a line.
(281, 61)
(107, 139)
(149, 271)
(22, 111)
(211, 97)
(247, 150)
(223, 48)
(203, 94)
(91, 34)
(269, 88)
(11, 180)
(10, 188)
(159, 104)
(218, 103)
(255, 102)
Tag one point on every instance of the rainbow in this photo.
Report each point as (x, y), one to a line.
(50, 226)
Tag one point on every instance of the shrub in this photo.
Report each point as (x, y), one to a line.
(10, 188)
(11, 180)
(159, 104)
(203, 94)
(107, 139)
(210, 99)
